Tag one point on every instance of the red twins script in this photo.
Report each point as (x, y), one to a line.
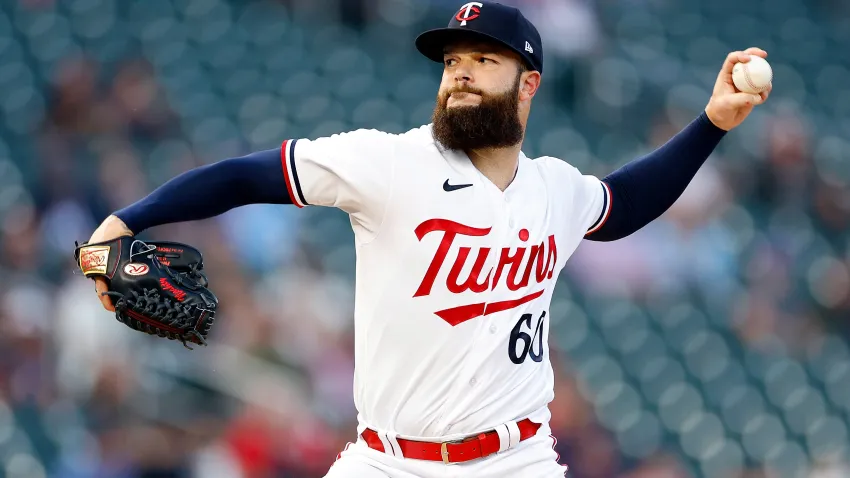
(542, 258)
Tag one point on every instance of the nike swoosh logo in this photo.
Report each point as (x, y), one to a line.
(453, 187)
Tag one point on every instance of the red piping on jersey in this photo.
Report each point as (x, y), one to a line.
(558, 455)
(285, 165)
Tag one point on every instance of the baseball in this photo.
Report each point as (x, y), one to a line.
(754, 76)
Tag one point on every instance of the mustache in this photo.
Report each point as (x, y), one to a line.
(462, 89)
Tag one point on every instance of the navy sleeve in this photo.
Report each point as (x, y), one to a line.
(211, 190)
(645, 188)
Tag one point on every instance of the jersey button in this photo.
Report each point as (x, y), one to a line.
(493, 329)
(472, 382)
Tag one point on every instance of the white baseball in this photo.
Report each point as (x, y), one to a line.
(754, 76)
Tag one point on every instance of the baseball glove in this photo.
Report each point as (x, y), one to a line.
(156, 287)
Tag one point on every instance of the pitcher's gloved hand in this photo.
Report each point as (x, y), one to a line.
(155, 287)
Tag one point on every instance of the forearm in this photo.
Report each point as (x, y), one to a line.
(645, 188)
(210, 190)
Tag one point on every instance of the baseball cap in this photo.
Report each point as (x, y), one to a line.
(486, 21)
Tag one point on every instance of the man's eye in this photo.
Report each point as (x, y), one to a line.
(450, 62)
(485, 60)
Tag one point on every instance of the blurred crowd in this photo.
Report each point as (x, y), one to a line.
(760, 234)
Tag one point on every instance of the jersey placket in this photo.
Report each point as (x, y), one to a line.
(503, 226)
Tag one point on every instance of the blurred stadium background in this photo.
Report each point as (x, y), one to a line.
(710, 344)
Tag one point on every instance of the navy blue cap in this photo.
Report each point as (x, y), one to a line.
(486, 21)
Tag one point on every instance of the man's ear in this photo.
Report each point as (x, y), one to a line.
(529, 83)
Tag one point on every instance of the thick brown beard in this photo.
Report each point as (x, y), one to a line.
(494, 123)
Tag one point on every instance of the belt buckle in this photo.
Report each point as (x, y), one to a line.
(444, 451)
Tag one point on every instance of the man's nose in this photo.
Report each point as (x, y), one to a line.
(463, 74)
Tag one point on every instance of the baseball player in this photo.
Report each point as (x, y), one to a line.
(460, 238)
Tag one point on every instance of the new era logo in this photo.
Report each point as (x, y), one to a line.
(528, 47)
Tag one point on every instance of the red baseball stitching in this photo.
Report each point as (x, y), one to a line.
(750, 81)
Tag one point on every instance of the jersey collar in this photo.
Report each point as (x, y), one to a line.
(460, 161)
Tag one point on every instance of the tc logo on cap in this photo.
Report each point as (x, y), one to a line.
(470, 11)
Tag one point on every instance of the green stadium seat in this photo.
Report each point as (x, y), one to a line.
(837, 384)
(352, 88)
(738, 405)
(657, 375)
(413, 87)
(24, 109)
(788, 459)
(681, 324)
(678, 404)
(722, 457)
(761, 433)
(700, 434)
(420, 114)
(620, 320)
(827, 437)
(295, 85)
(783, 378)
(716, 387)
(648, 346)
(616, 402)
(327, 128)
(598, 372)
(639, 434)
(803, 408)
(373, 111)
(568, 144)
(705, 353)
(824, 356)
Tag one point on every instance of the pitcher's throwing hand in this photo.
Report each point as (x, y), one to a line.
(729, 107)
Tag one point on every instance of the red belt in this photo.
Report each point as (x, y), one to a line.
(457, 451)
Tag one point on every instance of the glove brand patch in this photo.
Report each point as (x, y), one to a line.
(93, 260)
(136, 269)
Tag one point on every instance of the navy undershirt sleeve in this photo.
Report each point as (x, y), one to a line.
(211, 190)
(643, 189)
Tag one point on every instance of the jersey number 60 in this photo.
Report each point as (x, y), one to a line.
(518, 352)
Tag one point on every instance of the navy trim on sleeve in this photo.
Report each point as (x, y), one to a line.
(290, 172)
(295, 172)
(606, 209)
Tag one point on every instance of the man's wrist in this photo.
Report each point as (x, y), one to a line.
(711, 125)
(118, 225)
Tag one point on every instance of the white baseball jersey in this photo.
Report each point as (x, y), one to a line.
(454, 276)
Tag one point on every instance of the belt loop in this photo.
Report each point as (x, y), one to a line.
(508, 435)
(387, 448)
(392, 438)
(504, 437)
(513, 430)
(390, 442)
